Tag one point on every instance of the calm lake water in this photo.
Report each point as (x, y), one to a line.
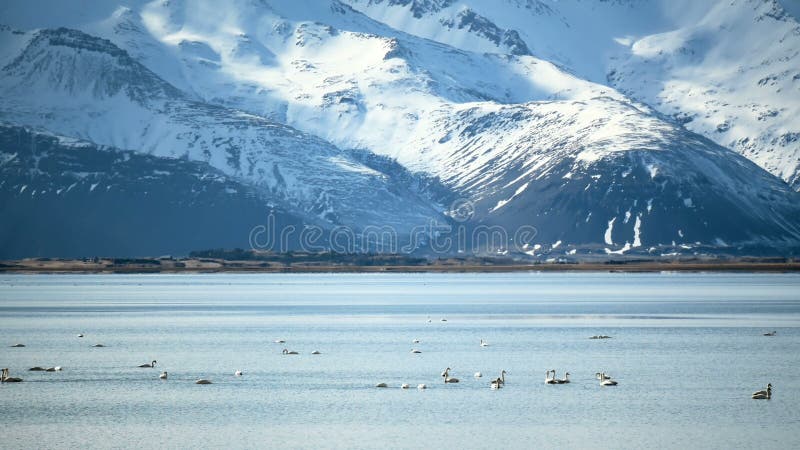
(686, 349)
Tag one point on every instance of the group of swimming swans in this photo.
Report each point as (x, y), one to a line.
(548, 379)
(605, 380)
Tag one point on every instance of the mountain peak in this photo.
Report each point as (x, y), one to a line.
(81, 64)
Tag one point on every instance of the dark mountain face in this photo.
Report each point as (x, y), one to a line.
(77, 199)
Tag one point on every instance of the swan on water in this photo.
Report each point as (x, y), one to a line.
(447, 377)
(608, 382)
(163, 375)
(53, 369)
(764, 394)
(771, 333)
(5, 378)
(238, 373)
(498, 382)
(316, 352)
(152, 364)
(413, 350)
(484, 343)
(416, 341)
(18, 346)
(202, 381)
(478, 374)
(548, 379)
(404, 386)
(98, 345)
(37, 369)
(444, 320)
(279, 341)
(289, 352)
(422, 386)
(564, 380)
(381, 385)
(80, 334)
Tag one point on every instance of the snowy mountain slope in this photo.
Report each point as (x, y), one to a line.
(602, 175)
(71, 198)
(726, 70)
(746, 97)
(527, 142)
(88, 88)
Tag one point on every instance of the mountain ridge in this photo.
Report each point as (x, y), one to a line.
(350, 122)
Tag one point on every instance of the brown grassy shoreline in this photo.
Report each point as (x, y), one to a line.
(204, 265)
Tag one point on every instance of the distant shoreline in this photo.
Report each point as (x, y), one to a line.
(201, 265)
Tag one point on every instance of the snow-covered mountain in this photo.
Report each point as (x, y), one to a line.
(82, 86)
(372, 112)
(727, 70)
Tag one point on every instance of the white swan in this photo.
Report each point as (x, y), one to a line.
(279, 341)
(484, 344)
(564, 380)
(316, 352)
(548, 379)
(422, 386)
(202, 381)
(381, 385)
(416, 341)
(163, 375)
(5, 378)
(495, 384)
(18, 346)
(478, 374)
(404, 386)
(152, 364)
(608, 382)
(98, 345)
(53, 369)
(80, 334)
(413, 350)
(447, 377)
(764, 394)
(771, 333)
(286, 351)
(238, 373)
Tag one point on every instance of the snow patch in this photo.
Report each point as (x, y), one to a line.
(637, 231)
(502, 203)
(621, 251)
(607, 236)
